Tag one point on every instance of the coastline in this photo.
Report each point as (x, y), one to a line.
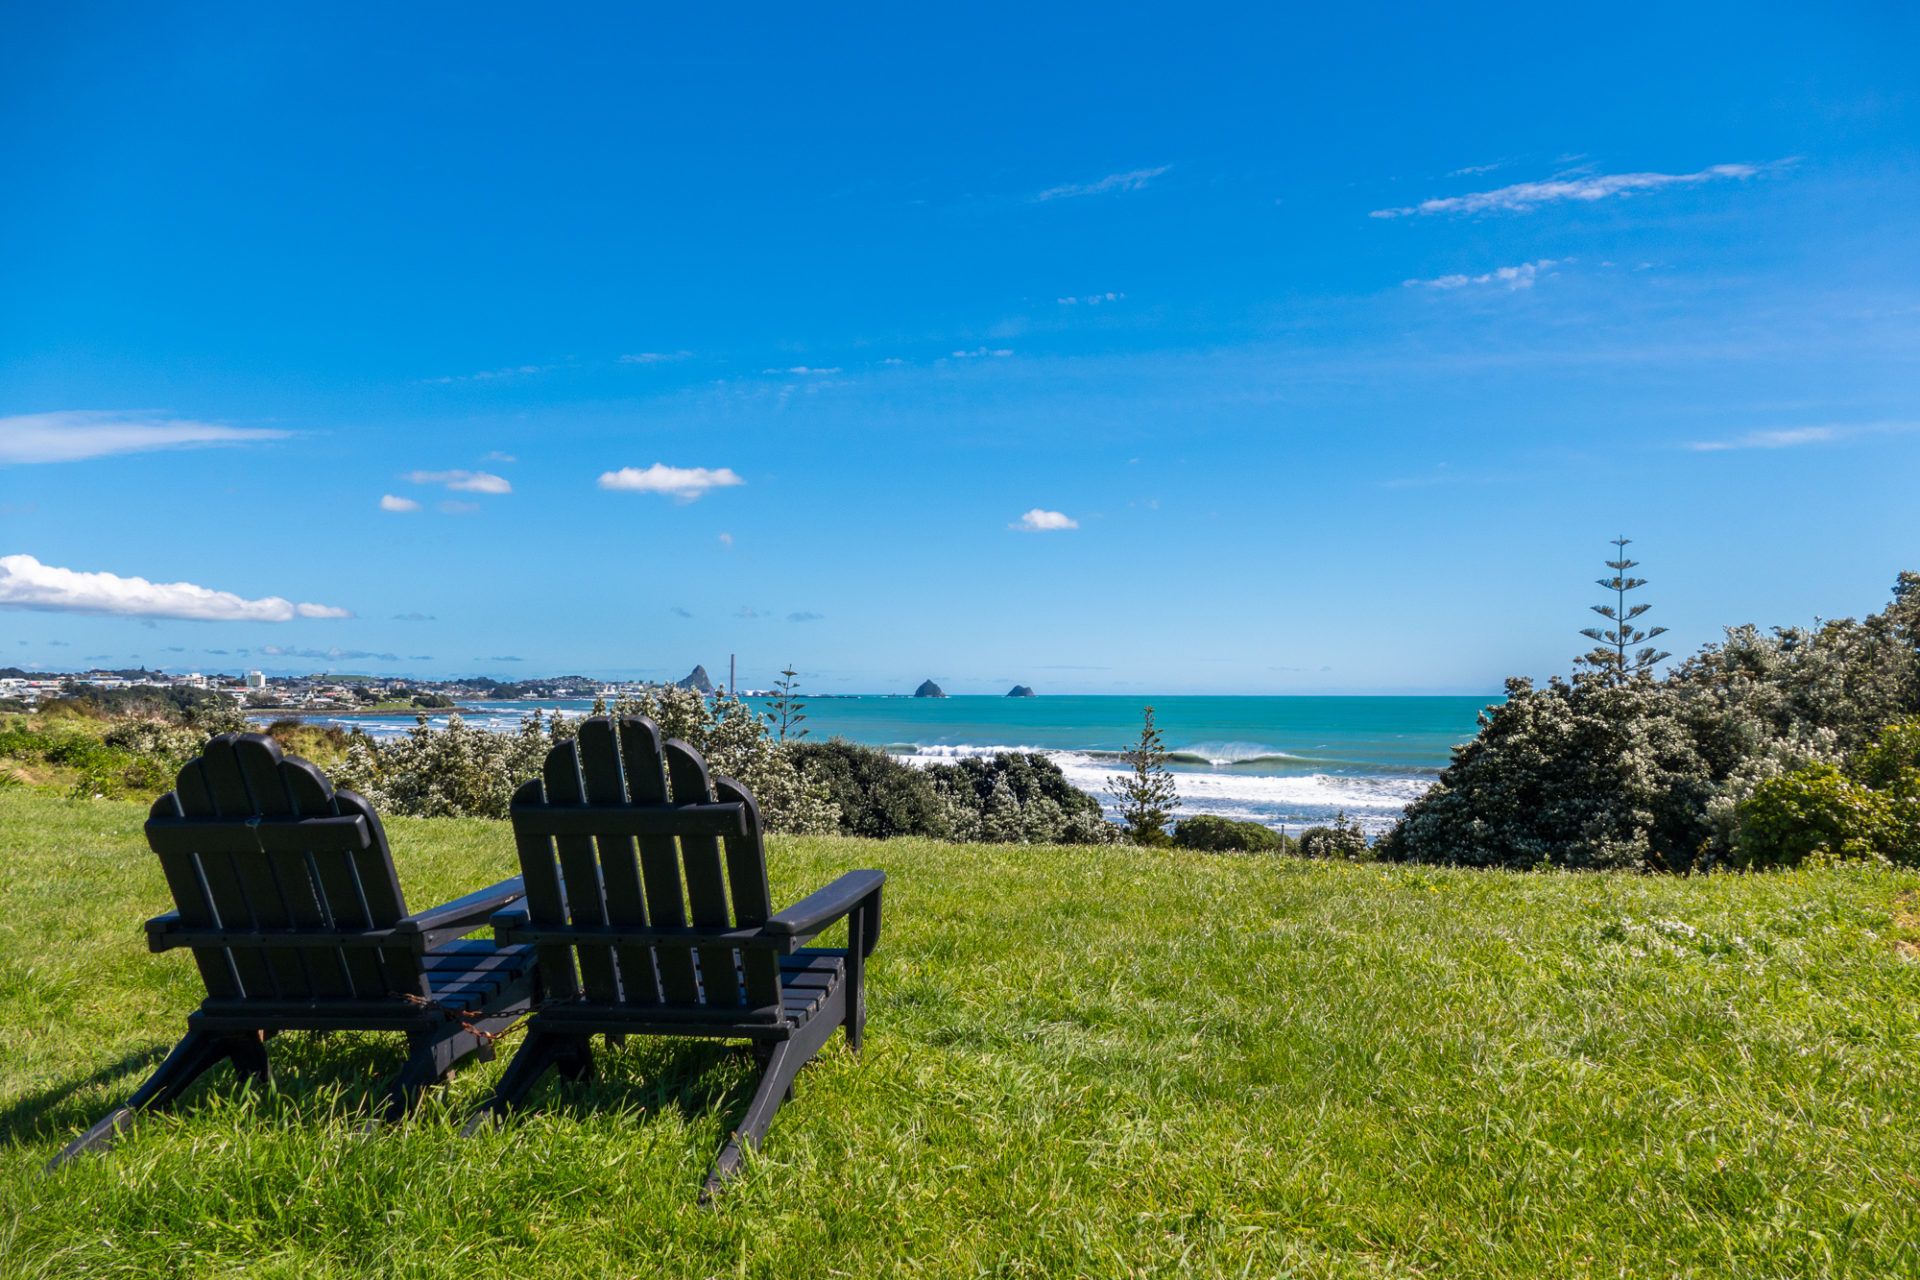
(1287, 762)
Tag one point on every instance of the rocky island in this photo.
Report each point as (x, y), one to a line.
(1020, 691)
(696, 680)
(928, 689)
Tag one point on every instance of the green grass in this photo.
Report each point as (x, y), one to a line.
(1078, 1063)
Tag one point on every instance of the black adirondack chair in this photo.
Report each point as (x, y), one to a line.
(666, 940)
(285, 892)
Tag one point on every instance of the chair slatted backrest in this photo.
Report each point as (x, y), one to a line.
(252, 840)
(624, 830)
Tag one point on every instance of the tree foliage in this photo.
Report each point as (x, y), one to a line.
(787, 711)
(1647, 772)
(1146, 796)
(1620, 649)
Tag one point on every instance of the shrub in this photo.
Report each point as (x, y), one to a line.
(1871, 809)
(877, 795)
(1590, 775)
(1816, 811)
(1654, 773)
(1221, 835)
(1017, 797)
(1343, 840)
(455, 772)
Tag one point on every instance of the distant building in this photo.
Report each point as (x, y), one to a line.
(256, 680)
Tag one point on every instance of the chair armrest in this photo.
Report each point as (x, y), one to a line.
(505, 922)
(158, 930)
(818, 910)
(462, 916)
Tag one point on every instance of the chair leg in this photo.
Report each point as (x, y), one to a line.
(776, 1086)
(780, 1065)
(189, 1060)
(433, 1057)
(570, 1055)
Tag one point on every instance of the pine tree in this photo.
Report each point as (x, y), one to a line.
(1146, 796)
(1610, 658)
(786, 710)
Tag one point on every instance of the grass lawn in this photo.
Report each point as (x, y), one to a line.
(1078, 1063)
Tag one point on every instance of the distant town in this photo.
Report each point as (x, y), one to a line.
(330, 693)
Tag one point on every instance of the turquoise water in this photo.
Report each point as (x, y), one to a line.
(1283, 761)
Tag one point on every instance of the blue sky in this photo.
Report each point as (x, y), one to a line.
(1243, 349)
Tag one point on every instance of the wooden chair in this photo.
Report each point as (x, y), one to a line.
(285, 892)
(666, 940)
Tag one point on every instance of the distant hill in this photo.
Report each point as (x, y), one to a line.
(1020, 691)
(928, 689)
(696, 680)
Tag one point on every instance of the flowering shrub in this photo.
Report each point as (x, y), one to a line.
(1663, 774)
(459, 771)
(455, 772)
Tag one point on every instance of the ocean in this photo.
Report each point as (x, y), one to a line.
(1289, 762)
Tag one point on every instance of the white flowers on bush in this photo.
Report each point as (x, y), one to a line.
(459, 771)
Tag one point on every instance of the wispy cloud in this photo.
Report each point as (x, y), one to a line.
(679, 612)
(1469, 170)
(655, 357)
(497, 456)
(682, 483)
(328, 655)
(745, 611)
(1784, 438)
(1091, 299)
(983, 352)
(806, 370)
(1040, 520)
(393, 502)
(25, 583)
(74, 435)
(463, 481)
(805, 615)
(726, 540)
(413, 617)
(1132, 180)
(1520, 277)
(1523, 197)
(492, 375)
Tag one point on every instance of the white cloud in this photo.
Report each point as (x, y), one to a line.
(1523, 197)
(684, 483)
(391, 502)
(1132, 180)
(497, 456)
(1520, 277)
(1472, 169)
(1090, 300)
(490, 375)
(1793, 437)
(726, 540)
(25, 583)
(72, 435)
(1039, 520)
(463, 481)
(805, 370)
(655, 357)
(978, 352)
(1786, 438)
